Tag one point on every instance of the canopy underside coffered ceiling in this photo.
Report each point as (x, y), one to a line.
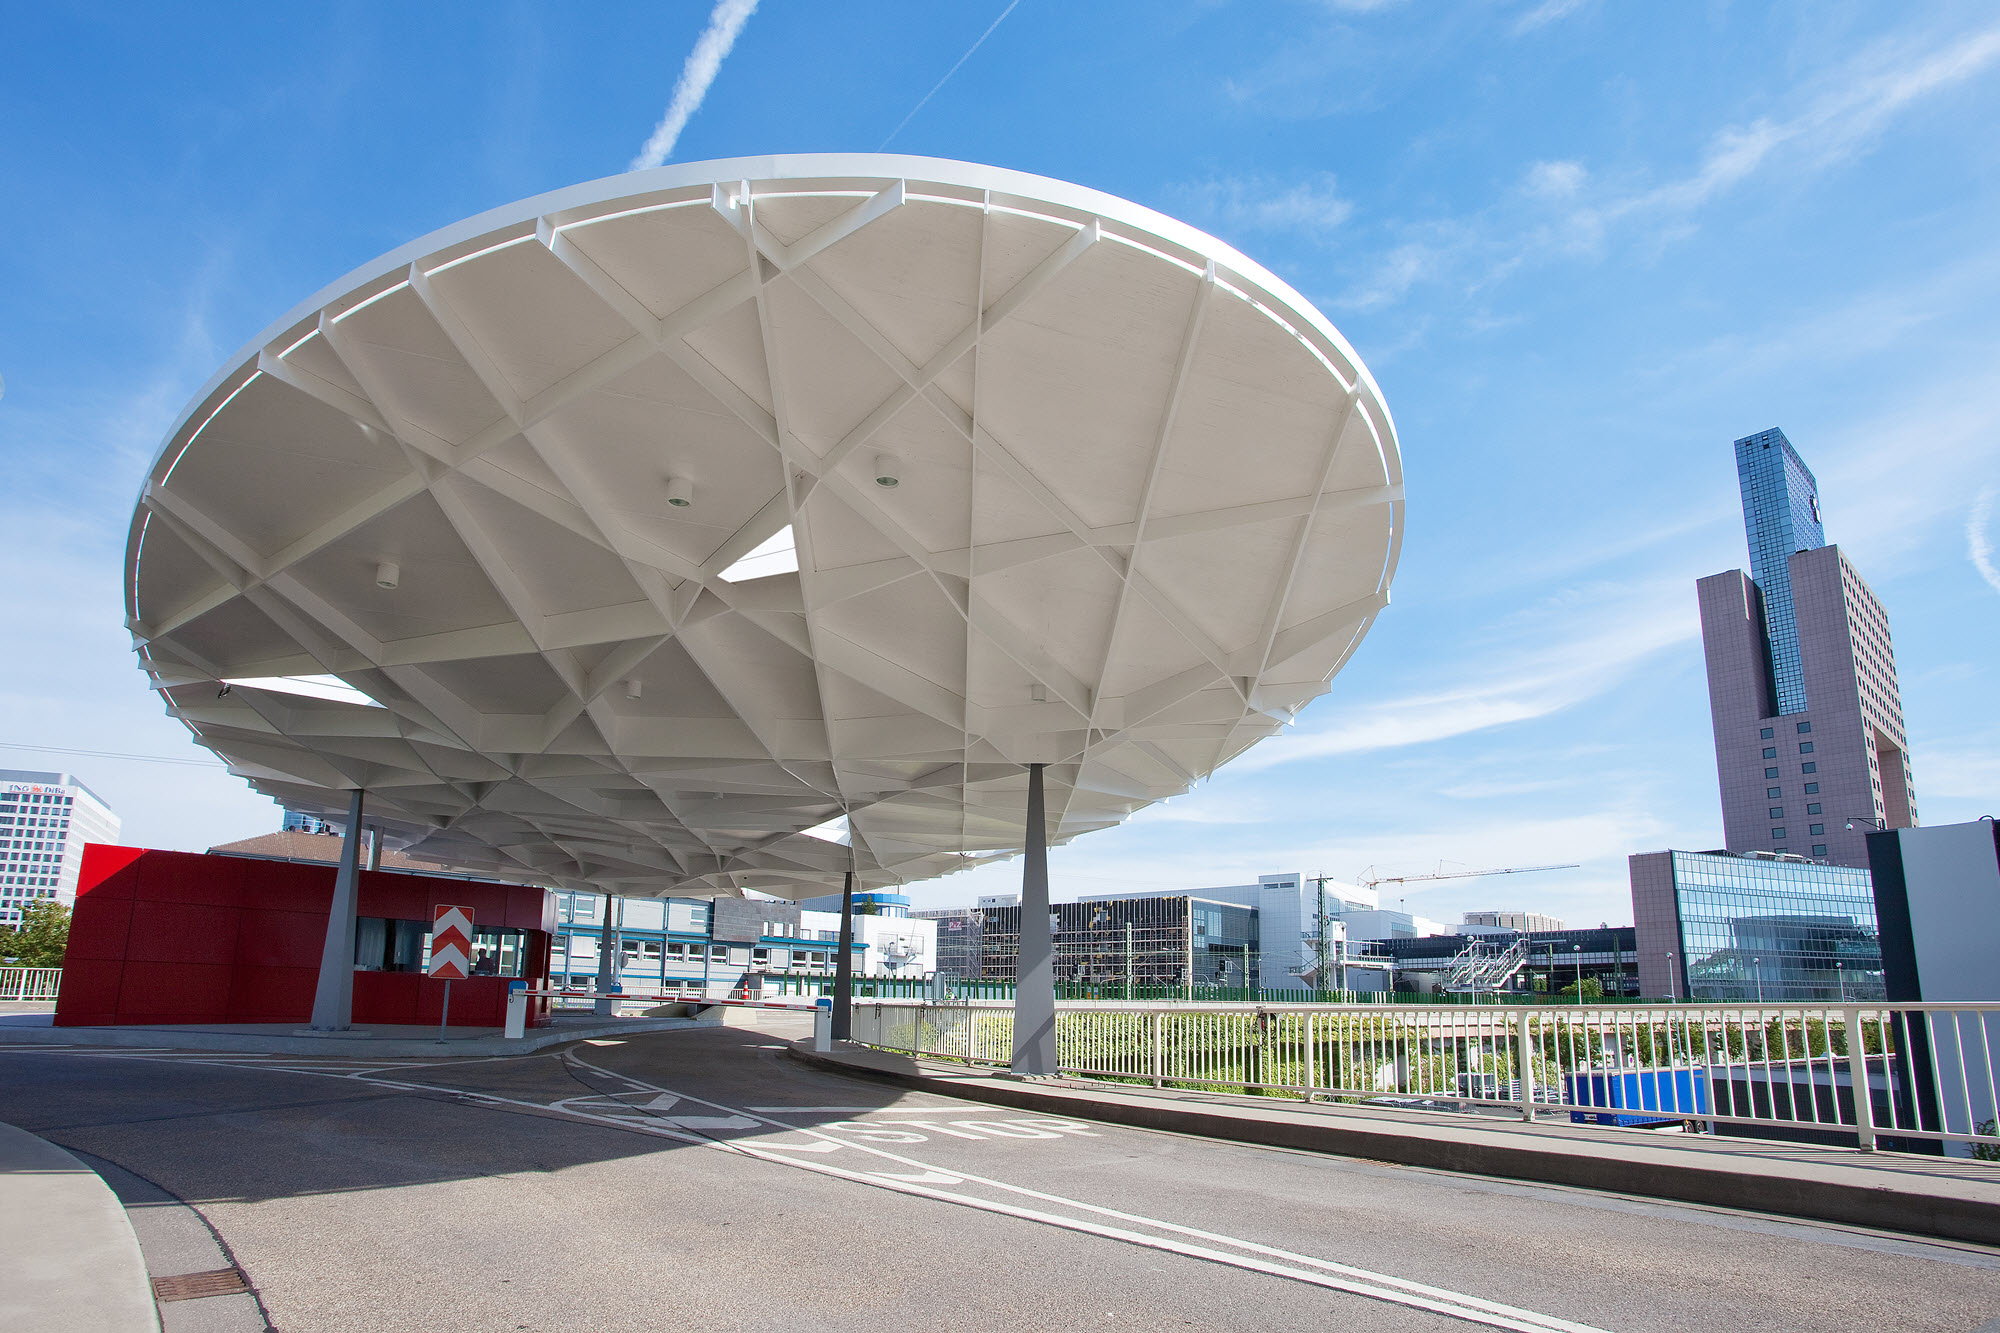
(1145, 503)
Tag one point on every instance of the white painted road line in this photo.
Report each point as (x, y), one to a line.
(1255, 1257)
(949, 1185)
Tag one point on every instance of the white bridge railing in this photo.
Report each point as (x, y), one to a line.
(1925, 1072)
(30, 983)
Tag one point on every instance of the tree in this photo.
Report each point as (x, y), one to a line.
(1593, 989)
(41, 939)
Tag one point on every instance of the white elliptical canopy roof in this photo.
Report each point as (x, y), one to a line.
(423, 537)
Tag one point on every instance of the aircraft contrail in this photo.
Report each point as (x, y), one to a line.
(948, 73)
(702, 63)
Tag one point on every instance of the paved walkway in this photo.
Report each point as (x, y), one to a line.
(73, 1263)
(1955, 1198)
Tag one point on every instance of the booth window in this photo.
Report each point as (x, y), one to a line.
(382, 944)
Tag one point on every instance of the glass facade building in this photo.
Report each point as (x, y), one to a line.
(1760, 928)
(1781, 517)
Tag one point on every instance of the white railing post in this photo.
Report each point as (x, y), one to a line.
(1857, 1077)
(1159, 1047)
(1310, 1079)
(1524, 1066)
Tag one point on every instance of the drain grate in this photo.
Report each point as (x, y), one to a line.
(193, 1286)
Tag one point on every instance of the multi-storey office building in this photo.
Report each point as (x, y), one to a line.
(45, 819)
(1754, 926)
(727, 943)
(1809, 743)
(1296, 912)
(1156, 940)
(958, 940)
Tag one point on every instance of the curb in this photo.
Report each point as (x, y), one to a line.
(75, 1263)
(285, 1043)
(1769, 1191)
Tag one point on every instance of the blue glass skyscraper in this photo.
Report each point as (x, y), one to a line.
(1809, 742)
(1781, 516)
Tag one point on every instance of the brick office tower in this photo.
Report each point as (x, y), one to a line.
(1801, 679)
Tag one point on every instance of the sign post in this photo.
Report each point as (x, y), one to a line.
(451, 952)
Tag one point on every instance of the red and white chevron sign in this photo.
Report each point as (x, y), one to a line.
(451, 943)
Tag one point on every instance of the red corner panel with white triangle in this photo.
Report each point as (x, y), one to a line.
(451, 943)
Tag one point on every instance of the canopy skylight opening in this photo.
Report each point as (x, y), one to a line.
(776, 554)
(312, 687)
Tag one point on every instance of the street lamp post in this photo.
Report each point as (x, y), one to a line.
(1840, 971)
(1670, 975)
(1757, 971)
(1576, 951)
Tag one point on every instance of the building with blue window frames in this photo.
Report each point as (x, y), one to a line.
(731, 946)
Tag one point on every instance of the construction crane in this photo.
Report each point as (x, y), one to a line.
(1370, 879)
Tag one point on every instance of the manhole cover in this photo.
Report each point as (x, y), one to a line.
(192, 1286)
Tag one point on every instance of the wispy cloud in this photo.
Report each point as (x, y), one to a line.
(1546, 13)
(1976, 543)
(1861, 101)
(1562, 208)
(1313, 207)
(724, 23)
(1573, 648)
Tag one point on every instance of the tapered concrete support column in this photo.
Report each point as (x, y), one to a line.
(375, 849)
(607, 957)
(1035, 972)
(333, 1001)
(843, 966)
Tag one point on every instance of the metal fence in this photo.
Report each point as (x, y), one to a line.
(30, 983)
(1925, 1072)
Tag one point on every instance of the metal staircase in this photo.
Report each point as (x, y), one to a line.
(1481, 966)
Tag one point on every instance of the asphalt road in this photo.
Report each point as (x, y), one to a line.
(702, 1179)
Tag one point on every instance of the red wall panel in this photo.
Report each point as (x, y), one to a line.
(178, 931)
(174, 993)
(261, 994)
(177, 937)
(100, 932)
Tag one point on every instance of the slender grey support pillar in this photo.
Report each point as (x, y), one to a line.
(333, 1001)
(843, 966)
(1035, 972)
(374, 849)
(607, 957)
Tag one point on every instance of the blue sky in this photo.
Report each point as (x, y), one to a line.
(1581, 245)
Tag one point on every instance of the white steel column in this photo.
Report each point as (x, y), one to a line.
(843, 967)
(607, 957)
(333, 1001)
(1035, 969)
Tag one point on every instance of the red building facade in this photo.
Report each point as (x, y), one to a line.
(182, 937)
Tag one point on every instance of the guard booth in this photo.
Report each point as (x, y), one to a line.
(182, 937)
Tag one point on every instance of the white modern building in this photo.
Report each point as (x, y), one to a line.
(1506, 921)
(727, 944)
(45, 819)
(1289, 928)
